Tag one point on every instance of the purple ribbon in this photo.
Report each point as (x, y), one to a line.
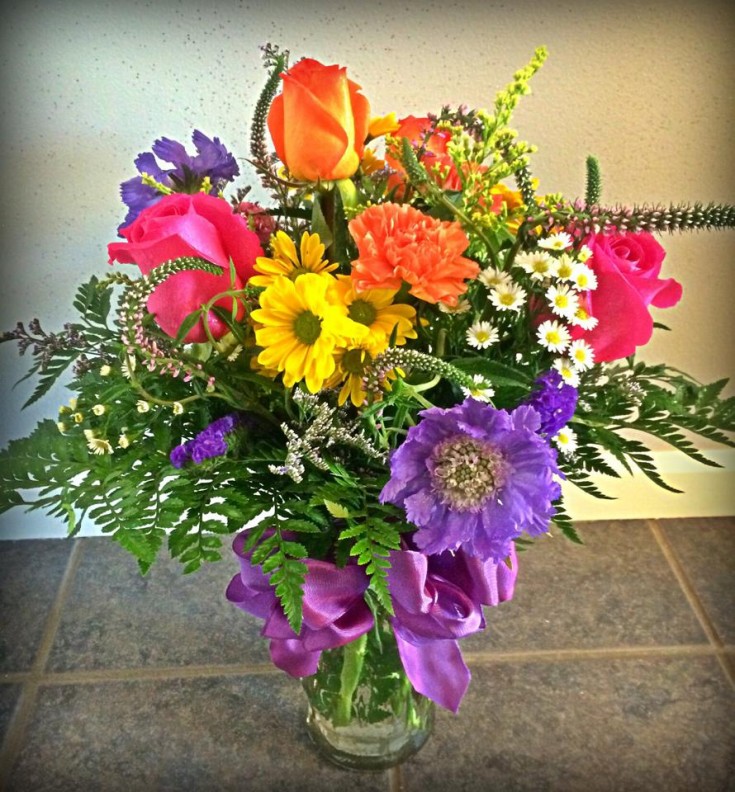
(335, 612)
(436, 600)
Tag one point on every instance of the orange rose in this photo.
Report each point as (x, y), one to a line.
(319, 122)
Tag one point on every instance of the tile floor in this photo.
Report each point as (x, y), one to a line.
(613, 669)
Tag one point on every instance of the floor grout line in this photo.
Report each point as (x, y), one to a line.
(153, 673)
(693, 598)
(16, 730)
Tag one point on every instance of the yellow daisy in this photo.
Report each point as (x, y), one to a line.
(375, 310)
(299, 328)
(286, 260)
(351, 368)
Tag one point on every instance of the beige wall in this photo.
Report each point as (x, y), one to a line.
(647, 87)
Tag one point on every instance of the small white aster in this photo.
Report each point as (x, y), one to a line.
(568, 373)
(480, 390)
(142, 406)
(560, 241)
(584, 278)
(565, 267)
(123, 441)
(462, 306)
(77, 417)
(582, 319)
(508, 297)
(584, 253)
(581, 354)
(105, 370)
(539, 264)
(562, 300)
(481, 335)
(492, 278)
(99, 446)
(128, 367)
(553, 335)
(177, 408)
(566, 440)
(99, 409)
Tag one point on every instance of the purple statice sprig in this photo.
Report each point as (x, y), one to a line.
(554, 400)
(209, 443)
(212, 162)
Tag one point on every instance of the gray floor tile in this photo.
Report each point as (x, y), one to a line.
(117, 618)
(629, 725)
(9, 695)
(706, 549)
(194, 735)
(615, 590)
(30, 574)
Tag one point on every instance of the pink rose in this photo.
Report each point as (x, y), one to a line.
(189, 225)
(627, 268)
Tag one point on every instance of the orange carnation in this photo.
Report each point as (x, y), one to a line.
(319, 122)
(397, 243)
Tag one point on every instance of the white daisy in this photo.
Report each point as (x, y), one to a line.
(582, 319)
(98, 446)
(560, 241)
(88, 434)
(462, 306)
(553, 335)
(105, 370)
(128, 367)
(584, 278)
(481, 335)
(584, 253)
(566, 440)
(493, 278)
(99, 409)
(480, 389)
(508, 297)
(539, 264)
(142, 406)
(123, 441)
(564, 267)
(563, 301)
(581, 354)
(77, 417)
(568, 373)
(177, 408)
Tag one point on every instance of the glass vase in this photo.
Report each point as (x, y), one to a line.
(363, 712)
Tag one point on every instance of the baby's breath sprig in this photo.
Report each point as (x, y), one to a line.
(325, 427)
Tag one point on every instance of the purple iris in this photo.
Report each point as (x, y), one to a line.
(210, 442)
(212, 159)
(554, 400)
(474, 477)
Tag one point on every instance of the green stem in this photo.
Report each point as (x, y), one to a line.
(353, 657)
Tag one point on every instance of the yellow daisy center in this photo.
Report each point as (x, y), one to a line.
(363, 312)
(307, 327)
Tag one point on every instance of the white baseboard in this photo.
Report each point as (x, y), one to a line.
(706, 491)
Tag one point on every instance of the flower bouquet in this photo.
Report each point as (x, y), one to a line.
(377, 382)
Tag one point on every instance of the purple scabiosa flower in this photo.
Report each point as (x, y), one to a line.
(554, 400)
(474, 477)
(186, 175)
